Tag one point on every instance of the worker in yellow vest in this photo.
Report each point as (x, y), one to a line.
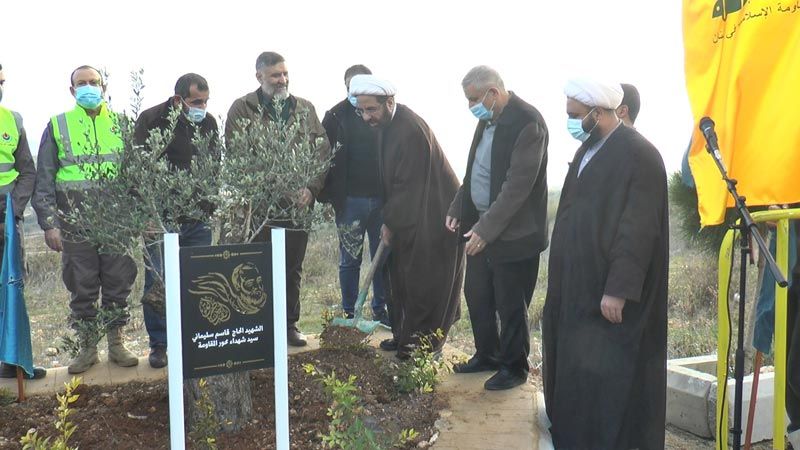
(75, 144)
(17, 176)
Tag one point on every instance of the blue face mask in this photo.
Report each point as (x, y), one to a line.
(353, 100)
(89, 96)
(575, 128)
(196, 115)
(480, 111)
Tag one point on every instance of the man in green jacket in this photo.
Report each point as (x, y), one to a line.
(273, 77)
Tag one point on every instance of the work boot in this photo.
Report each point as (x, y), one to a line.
(10, 371)
(158, 357)
(117, 352)
(86, 357)
(295, 338)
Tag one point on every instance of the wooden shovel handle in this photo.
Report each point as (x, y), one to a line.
(376, 262)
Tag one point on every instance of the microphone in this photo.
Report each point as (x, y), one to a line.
(707, 128)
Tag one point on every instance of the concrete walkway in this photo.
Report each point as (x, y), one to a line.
(477, 419)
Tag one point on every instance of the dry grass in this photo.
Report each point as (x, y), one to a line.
(692, 301)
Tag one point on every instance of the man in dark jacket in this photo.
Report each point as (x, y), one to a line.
(628, 110)
(191, 98)
(353, 187)
(501, 209)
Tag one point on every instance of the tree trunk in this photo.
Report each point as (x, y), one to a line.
(230, 395)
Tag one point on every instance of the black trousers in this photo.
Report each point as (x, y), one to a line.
(501, 291)
(793, 356)
(296, 244)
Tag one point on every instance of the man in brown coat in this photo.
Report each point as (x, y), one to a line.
(273, 77)
(502, 210)
(426, 265)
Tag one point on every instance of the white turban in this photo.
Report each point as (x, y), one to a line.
(594, 93)
(371, 85)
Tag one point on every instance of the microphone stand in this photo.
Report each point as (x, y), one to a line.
(747, 228)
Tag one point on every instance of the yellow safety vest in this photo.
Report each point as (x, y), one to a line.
(9, 140)
(88, 147)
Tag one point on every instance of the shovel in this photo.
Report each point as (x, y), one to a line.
(358, 321)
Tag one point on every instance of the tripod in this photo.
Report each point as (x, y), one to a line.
(747, 230)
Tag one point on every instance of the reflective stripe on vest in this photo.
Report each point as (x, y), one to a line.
(9, 140)
(87, 147)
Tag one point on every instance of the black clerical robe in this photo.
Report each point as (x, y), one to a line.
(426, 265)
(605, 383)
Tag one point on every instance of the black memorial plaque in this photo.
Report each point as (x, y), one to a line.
(226, 309)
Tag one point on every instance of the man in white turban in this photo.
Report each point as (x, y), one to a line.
(605, 314)
(426, 265)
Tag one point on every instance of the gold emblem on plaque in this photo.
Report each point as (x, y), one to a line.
(243, 292)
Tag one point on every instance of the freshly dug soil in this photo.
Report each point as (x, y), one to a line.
(136, 415)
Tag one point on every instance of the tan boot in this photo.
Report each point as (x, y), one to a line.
(117, 352)
(86, 357)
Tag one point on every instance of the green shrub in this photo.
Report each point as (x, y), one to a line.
(32, 440)
(347, 430)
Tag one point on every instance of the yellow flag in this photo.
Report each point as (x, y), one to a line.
(743, 71)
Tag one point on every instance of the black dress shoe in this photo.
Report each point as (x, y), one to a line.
(158, 357)
(476, 364)
(10, 371)
(504, 379)
(388, 345)
(295, 338)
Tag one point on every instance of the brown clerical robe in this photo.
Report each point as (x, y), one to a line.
(426, 265)
(605, 383)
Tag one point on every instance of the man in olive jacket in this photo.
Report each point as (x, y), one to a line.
(273, 76)
(501, 209)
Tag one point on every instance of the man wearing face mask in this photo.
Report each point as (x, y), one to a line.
(17, 177)
(353, 187)
(191, 98)
(72, 145)
(260, 106)
(605, 314)
(502, 210)
(426, 265)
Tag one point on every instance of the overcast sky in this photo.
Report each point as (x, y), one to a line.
(423, 47)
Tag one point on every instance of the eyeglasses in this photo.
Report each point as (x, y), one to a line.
(370, 110)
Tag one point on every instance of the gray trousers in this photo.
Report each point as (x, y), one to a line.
(89, 275)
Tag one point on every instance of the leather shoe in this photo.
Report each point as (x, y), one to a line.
(504, 379)
(476, 364)
(388, 345)
(10, 371)
(158, 357)
(295, 338)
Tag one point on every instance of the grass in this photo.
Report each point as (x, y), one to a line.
(692, 298)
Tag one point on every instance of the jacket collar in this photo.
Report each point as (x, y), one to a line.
(511, 111)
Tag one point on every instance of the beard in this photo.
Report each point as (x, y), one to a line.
(277, 92)
(383, 121)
